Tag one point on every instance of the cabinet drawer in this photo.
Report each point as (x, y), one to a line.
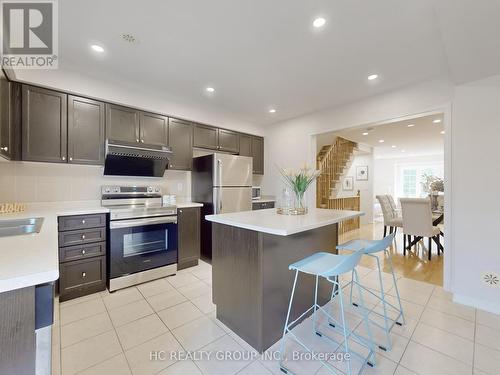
(78, 237)
(70, 253)
(81, 275)
(81, 222)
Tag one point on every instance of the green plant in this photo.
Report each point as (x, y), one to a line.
(299, 180)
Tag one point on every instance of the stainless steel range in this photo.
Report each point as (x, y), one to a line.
(142, 238)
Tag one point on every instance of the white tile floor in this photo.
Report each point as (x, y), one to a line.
(115, 333)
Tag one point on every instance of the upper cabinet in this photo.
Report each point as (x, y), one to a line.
(6, 124)
(44, 125)
(245, 145)
(180, 135)
(258, 155)
(130, 125)
(153, 129)
(205, 137)
(216, 139)
(86, 131)
(122, 123)
(229, 141)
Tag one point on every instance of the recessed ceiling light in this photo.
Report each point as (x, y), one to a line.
(210, 89)
(381, 141)
(442, 131)
(371, 77)
(97, 48)
(272, 110)
(365, 133)
(403, 150)
(411, 125)
(437, 121)
(319, 22)
(393, 146)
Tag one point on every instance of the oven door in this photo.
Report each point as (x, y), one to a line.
(141, 244)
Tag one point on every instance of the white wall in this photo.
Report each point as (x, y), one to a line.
(475, 200)
(365, 187)
(289, 143)
(385, 171)
(48, 182)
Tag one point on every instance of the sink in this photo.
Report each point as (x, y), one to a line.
(18, 227)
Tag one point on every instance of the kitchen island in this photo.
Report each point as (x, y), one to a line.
(251, 282)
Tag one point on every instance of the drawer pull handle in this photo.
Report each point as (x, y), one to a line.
(84, 274)
(83, 236)
(83, 252)
(83, 221)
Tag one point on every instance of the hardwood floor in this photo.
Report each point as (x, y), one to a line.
(414, 266)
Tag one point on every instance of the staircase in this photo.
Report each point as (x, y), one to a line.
(332, 160)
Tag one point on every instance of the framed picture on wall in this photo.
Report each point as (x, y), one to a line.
(362, 173)
(348, 183)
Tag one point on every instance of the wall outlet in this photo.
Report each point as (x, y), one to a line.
(491, 279)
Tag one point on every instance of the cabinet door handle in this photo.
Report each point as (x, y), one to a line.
(137, 139)
(142, 140)
(84, 275)
(63, 158)
(70, 159)
(4, 148)
(83, 236)
(83, 221)
(83, 252)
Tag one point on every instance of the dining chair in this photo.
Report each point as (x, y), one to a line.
(391, 219)
(417, 222)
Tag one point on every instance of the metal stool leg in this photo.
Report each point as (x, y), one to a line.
(389, 259)
(285, 329)
(346, 343)
(384, 305)
(366, 320)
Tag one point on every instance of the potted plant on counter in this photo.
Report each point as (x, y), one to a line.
(298, 181)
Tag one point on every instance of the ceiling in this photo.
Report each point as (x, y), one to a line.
(263, 54)
(423, 138)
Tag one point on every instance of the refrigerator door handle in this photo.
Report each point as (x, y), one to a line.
(219, 198)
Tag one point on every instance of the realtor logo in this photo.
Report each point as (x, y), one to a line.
(29, 34)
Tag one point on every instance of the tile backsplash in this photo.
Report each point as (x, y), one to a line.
(48, 182)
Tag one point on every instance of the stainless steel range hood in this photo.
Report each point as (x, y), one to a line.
(131, 159)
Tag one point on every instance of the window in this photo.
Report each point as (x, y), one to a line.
(409, 178)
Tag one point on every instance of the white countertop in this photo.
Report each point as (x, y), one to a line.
(268, 221)
(33, 259)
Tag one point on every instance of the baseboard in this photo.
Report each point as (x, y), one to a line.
(477, 303)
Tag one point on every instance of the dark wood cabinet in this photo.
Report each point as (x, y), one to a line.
(86, 131)
(6, 125)
(258, 155)
(205, 137)
(44, 125)
(180, 136)
(153, 129)
(122, 123)
(245, 145)
(228, 141)
(82, 255)
(189, 237)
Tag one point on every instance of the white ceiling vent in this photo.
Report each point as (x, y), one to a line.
(491, 279)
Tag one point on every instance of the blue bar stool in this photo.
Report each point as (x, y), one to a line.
(369, 248)
(330, 266)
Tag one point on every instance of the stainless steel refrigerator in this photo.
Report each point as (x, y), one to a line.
(223, 183)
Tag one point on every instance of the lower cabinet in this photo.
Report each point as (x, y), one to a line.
(82, 255)
(189, 237)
